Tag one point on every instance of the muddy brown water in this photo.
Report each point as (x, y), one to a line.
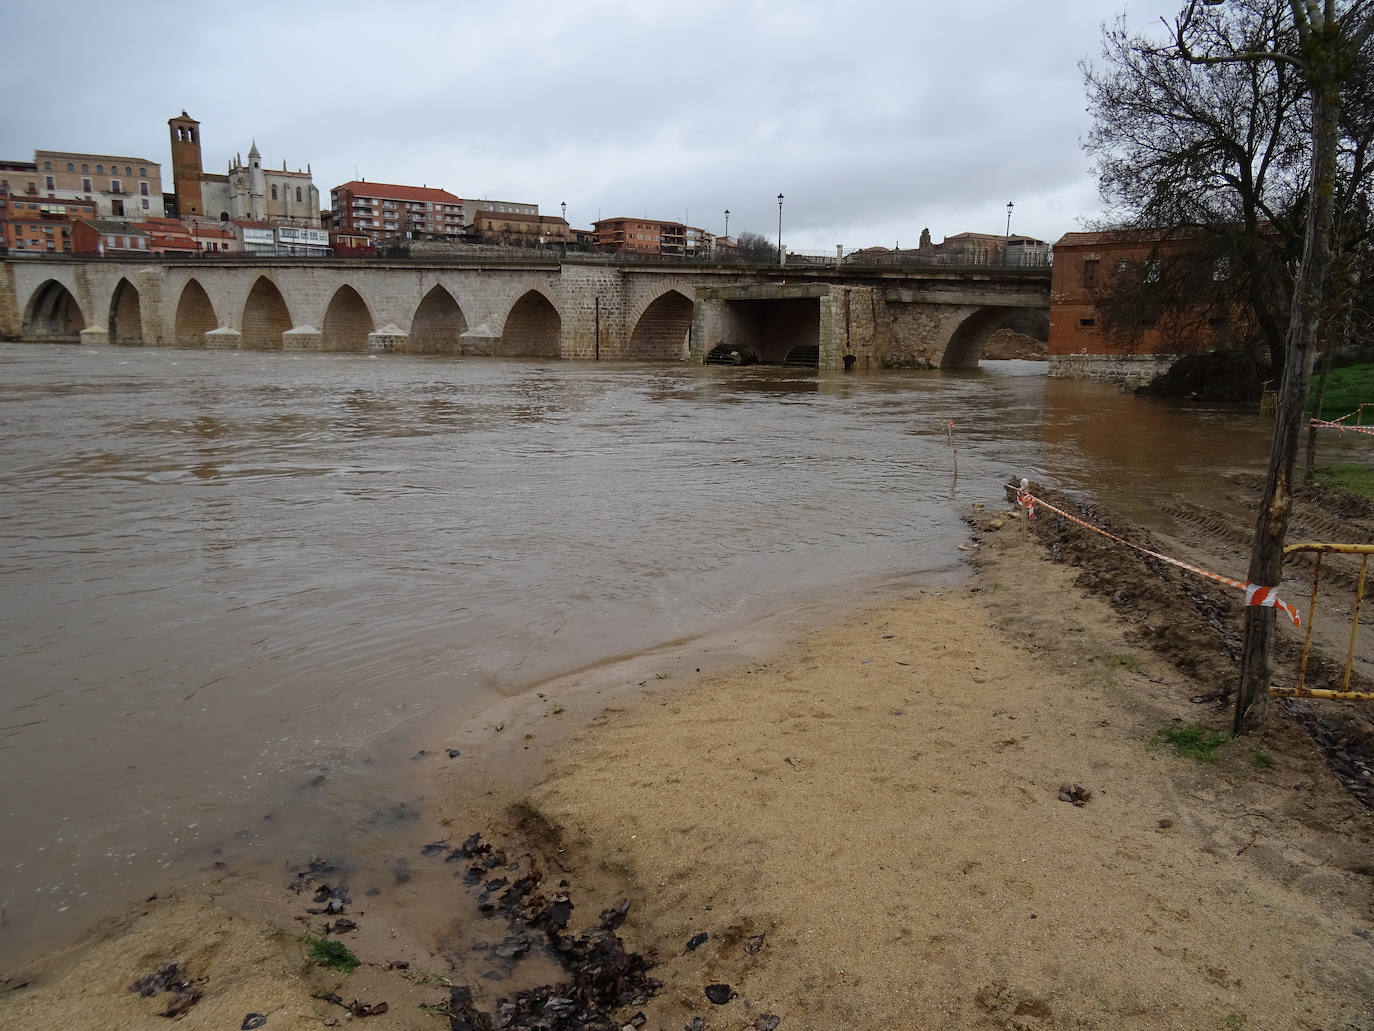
(238, 590)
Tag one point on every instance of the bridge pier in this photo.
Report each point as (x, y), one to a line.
(95, 336)
(390, 337)
(224, 338)
(302, 338)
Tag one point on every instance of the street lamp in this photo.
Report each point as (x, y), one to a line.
(781, 260)
(195, 235)
(1006, 246)
(564, 206)
(727, 221)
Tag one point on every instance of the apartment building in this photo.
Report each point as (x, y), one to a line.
(36, 225)
(640, 236)
(387, 211)
(122, 187)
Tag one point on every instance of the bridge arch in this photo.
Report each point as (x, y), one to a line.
(660, 331)
(53, 315)
(126, 315)
(533, 328)
(265, 316)
(438, 325)
(347, 322)
(195, 316)
(966, 342)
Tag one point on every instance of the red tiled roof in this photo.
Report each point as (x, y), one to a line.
(391, 191)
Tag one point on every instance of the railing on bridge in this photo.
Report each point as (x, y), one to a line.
(549, 254)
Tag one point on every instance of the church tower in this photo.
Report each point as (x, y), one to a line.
(186, 167)
(256, 181)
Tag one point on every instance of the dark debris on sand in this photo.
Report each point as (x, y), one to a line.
(602, 977)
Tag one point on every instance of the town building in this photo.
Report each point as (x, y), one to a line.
(982, 249)
(247, 190)
(168, 238)
(640, 236)
(36, 225)
(213, 237)
(110, 238)
(519, 229)
(388, 211)
(351, 243)
(1136, 338)
(494, 208)
(122, 187)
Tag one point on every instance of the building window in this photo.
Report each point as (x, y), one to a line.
(143, 189)
(1152, 270)
(115, 186)
(274, 191)
(86, 185)
(50, 183)
(1090, 273)
(86, 168)
(71, 167)
(128, 171)
(99, 169)
(145, 203)
(298, 194)
(1087, 322)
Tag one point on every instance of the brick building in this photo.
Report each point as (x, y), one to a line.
(109, 238)
(387, 211)
(122, 187)
(36, 225)
(1091, 268)
(640, 236)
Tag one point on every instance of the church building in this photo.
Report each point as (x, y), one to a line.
(246, 191)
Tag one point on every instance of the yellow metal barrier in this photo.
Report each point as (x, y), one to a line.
(1301, 691)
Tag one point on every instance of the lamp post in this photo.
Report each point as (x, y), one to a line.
(1006, 244)
(781, 260)
(195, 235)
(564, 206)
(727, 221)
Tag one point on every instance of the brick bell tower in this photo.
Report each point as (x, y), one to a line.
(186, 169)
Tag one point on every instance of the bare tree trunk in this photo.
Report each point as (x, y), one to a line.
(1350, 284)
(1266, 555)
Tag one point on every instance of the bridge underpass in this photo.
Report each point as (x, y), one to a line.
(771, 331)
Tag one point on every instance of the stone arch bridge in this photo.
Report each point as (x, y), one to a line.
(579, 309)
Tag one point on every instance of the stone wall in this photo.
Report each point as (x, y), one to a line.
(1132, 370)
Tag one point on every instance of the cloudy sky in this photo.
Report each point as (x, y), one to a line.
(873, 118)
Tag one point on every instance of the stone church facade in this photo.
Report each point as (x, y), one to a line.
(246, 191)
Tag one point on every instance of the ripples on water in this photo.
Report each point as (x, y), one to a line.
(223, 571)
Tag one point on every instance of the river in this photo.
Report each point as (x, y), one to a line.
(222, 573)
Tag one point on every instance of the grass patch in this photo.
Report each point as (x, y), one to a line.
(1260, 759)
(1357, 479)
(326, 952)
(1194, 742)
(1346, 390)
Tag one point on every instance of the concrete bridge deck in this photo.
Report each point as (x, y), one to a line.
(884, 316)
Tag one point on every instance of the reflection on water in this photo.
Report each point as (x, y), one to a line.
(224, 573)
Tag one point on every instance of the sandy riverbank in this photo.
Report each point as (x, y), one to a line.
(880, 801)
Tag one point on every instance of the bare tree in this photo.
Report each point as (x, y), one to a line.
(1323, 52)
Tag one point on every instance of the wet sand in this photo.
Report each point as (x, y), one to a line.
(879, 799)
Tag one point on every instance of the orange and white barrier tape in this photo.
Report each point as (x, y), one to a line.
(1336, 424)
(1255, 594)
